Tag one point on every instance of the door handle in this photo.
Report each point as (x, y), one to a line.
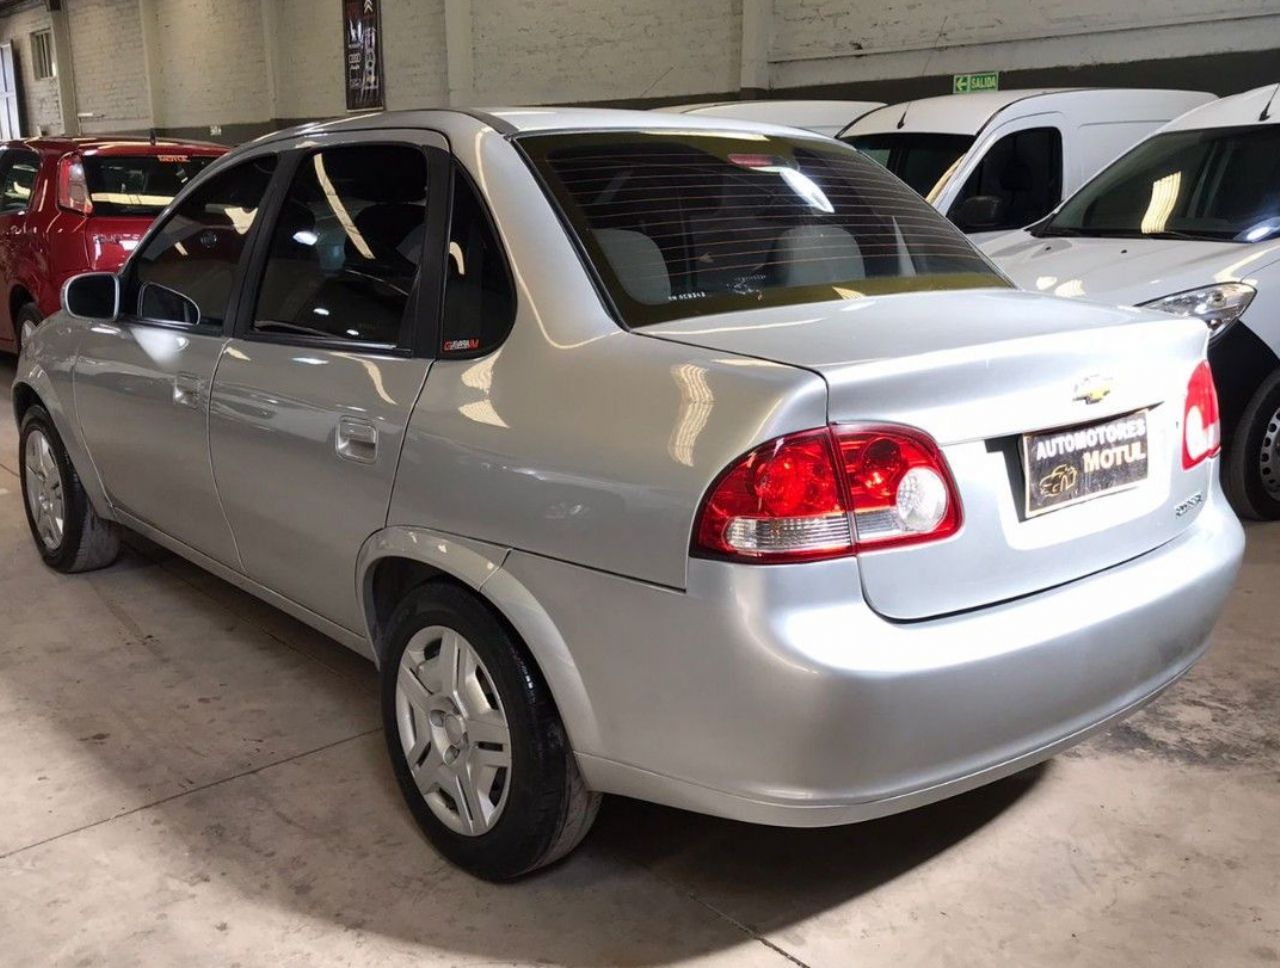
(356, 440)
(186, 390)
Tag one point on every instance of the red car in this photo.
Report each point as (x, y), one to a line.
(72, 205)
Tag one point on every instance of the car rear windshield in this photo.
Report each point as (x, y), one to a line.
(1218, 184)
(138, 185)
(689, 223)
(922, 160)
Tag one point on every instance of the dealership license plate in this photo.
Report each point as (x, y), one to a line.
(1074, 464)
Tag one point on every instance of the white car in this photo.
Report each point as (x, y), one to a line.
(1188, 221)
(999, 160)
(821, 117)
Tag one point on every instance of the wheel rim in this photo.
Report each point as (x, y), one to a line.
(28, 330)
(43, 480)
(453, 730)
(1269, 457)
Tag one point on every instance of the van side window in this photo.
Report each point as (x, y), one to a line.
(1020, 177)
(345, 251)
(479, 299)
(186, 272)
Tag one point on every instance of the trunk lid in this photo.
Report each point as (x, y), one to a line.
(976, 371)
(110, 239)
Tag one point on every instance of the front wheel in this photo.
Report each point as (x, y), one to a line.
(68, 533)
(478, 748)
(1252, 468)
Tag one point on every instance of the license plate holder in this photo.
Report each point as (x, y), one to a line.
(1071, 465)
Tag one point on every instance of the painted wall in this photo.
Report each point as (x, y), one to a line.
(110, 66)
(41, 110)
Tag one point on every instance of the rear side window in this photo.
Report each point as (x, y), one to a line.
(345, 251)
(681, 224)
(18, 170)
(1022, 176)
(479, 301)
(121, 185)
(186, 272)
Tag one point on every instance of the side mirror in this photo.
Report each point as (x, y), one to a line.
(166, 305)
(979, 212)
(92, 295)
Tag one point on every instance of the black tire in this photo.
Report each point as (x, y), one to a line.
(87, 541)
(1251, 469)
(29, 313)
(548, 809)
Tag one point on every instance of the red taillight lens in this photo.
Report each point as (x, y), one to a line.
(73, 191)
(1201, 423)
(803, 497)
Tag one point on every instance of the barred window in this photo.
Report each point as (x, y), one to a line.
(690, 223)
(42, 64)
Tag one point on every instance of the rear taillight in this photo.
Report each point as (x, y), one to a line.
(829, 493)
(1201, 424)
(73, 190)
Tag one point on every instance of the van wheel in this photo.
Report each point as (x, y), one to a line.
(68, 532)
(478, 748)
(1252, 471)
(25, 323)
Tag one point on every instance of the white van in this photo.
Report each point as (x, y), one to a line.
(999, 160)
(822, 117)
(1188, 221)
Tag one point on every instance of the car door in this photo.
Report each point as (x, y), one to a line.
(142, 381)
(312, 396)
(18, 170)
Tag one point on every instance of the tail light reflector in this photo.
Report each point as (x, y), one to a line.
(1201, 422)
(828, 493)
(73, 190)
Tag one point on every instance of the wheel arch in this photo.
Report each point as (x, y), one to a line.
(397, 559)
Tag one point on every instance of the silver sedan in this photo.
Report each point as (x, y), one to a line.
(672, 457)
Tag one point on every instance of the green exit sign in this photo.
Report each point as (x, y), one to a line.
(972, 83)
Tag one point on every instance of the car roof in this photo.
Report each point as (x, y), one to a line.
(522, 120)
(1258, 106)
(967, 114)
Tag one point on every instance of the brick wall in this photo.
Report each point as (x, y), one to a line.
(110, 66)
(41, 111)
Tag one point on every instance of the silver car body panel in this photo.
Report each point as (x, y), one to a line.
(559, 477)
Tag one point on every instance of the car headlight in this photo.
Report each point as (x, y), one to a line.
(1219, 306)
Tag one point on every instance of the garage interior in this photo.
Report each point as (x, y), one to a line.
(192, 777)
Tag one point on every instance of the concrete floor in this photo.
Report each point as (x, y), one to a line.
(191, 778)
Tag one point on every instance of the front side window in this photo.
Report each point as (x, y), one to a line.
(138, 185)
(187, 269)
(1218, 184)
(1018, 181)
(345, 252)
(686, 224)
(921, 159)
(18, 179)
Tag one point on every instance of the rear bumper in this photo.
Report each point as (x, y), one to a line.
(775, 695)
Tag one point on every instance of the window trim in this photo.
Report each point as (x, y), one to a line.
(411, 324)
(127, 273)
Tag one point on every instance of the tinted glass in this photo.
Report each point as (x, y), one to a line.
(1221, 184)
(1022, 174)
(345, 251)
(920, 160)
(684, 225)
(18, 170)
(479, 302)
(195, 252)
(120, 185)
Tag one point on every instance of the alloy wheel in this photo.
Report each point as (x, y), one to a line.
(45, 496)
(453, 730)
(1269, 456)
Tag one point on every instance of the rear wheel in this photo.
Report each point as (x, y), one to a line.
(477, 745)
(1252, 470)
(25, 323)
(68, 533)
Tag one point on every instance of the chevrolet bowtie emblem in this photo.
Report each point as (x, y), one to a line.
(1093, 389)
